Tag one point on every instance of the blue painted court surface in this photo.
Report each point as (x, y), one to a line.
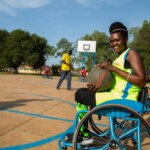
(33, 113)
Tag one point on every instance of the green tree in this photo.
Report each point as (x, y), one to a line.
(3, 36)
(15, 48)
(22, 48)
(37, 51)
(102, 46)
(63, 46)
(133, 33)
(141, 41)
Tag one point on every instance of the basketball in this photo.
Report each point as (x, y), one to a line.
(103, 78)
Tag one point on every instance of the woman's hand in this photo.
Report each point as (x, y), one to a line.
(106, 65)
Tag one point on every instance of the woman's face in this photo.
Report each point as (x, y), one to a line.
(117, 42)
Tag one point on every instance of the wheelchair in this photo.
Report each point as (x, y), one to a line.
(118, 124)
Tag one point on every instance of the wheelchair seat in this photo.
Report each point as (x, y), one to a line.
(134, 105)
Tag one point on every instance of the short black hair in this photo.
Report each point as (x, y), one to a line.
(118, 27)
(70, 51)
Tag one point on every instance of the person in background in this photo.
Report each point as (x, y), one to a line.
(66, 68)
(83, 73)
(46, 72)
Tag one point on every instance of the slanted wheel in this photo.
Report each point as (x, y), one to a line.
(114, 127)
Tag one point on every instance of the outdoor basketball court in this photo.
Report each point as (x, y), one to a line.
(33, 113)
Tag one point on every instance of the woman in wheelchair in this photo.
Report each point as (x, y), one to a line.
(128, 71)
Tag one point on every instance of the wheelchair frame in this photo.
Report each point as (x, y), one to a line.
(125, 110)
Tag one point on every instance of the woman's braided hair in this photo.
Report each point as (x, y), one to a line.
(118, 27)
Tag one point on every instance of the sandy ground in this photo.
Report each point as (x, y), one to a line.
(33, 113)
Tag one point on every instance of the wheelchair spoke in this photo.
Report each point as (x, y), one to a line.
(113, 127)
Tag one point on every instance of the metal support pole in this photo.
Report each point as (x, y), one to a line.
(84, 58)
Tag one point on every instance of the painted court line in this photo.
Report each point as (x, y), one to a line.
(40, 95)
(36, 115)
(43, 141)
(37, 143)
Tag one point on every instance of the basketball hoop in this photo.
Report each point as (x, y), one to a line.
(87, 48)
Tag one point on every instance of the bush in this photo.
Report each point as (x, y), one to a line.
(56, 69)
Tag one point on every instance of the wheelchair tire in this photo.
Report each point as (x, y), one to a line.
(118, 127)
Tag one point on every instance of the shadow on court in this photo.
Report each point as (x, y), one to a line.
(18, 103)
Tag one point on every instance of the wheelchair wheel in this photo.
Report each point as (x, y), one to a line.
(113, 127)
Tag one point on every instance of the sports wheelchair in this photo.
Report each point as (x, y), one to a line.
(118, 124)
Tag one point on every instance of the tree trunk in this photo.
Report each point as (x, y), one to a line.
(147, 75)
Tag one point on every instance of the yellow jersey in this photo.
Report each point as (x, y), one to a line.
(67, 58)
(121, 89)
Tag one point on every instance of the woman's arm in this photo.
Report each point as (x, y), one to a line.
(138, 76)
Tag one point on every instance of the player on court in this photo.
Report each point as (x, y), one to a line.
(129, 73)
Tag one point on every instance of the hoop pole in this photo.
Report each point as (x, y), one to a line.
(84, 58)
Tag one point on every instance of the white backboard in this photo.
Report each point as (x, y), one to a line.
(87, 46)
